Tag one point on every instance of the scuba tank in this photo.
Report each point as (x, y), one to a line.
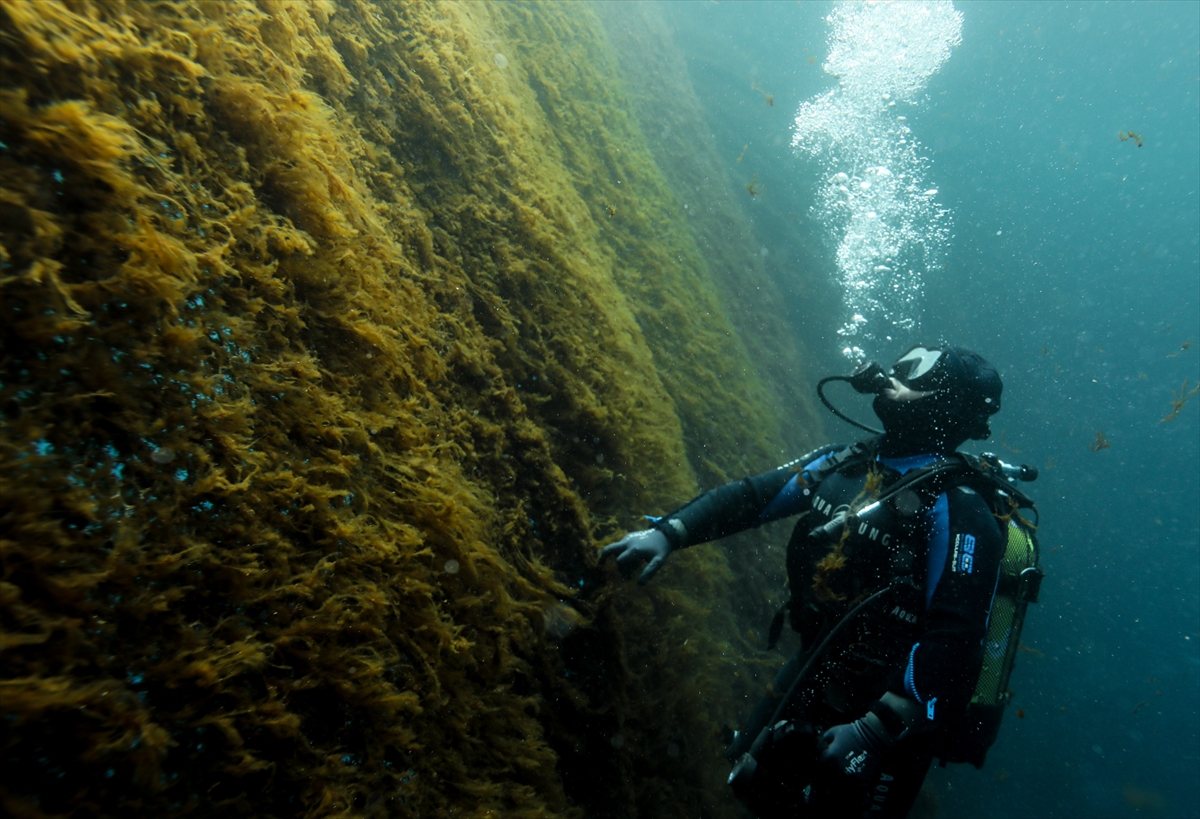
(1019, 584)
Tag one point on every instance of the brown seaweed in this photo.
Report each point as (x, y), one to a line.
(326, 363)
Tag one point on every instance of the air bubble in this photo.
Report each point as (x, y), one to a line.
(882, 54)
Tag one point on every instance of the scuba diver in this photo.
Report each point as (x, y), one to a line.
(908, 571)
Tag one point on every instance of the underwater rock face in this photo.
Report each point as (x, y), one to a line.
(331, 348)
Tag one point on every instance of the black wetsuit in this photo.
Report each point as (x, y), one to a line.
(938, 548)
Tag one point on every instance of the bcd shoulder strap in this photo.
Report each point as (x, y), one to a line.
(958, 469)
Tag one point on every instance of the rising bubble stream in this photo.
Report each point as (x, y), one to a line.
(875, 203)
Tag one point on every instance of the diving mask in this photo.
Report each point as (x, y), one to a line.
(925, 370)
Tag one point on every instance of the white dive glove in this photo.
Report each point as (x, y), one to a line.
(637, 547)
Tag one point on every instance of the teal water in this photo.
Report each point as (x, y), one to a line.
(1072, 261)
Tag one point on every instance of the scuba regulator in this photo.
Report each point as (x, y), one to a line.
(872, 379)
(869, 379)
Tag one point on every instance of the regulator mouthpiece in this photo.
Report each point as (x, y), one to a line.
(870, 379)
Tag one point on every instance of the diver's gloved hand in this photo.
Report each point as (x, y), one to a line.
(855, 749)
(637, 547)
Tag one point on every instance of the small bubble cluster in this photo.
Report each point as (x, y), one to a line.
(875, 203)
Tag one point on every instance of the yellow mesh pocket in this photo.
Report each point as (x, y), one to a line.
(1004, 626)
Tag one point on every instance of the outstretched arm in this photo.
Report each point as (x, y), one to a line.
(726, 510)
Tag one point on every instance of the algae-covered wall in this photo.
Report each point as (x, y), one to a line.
(335, 337)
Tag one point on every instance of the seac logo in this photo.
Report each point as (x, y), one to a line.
(964, 554)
